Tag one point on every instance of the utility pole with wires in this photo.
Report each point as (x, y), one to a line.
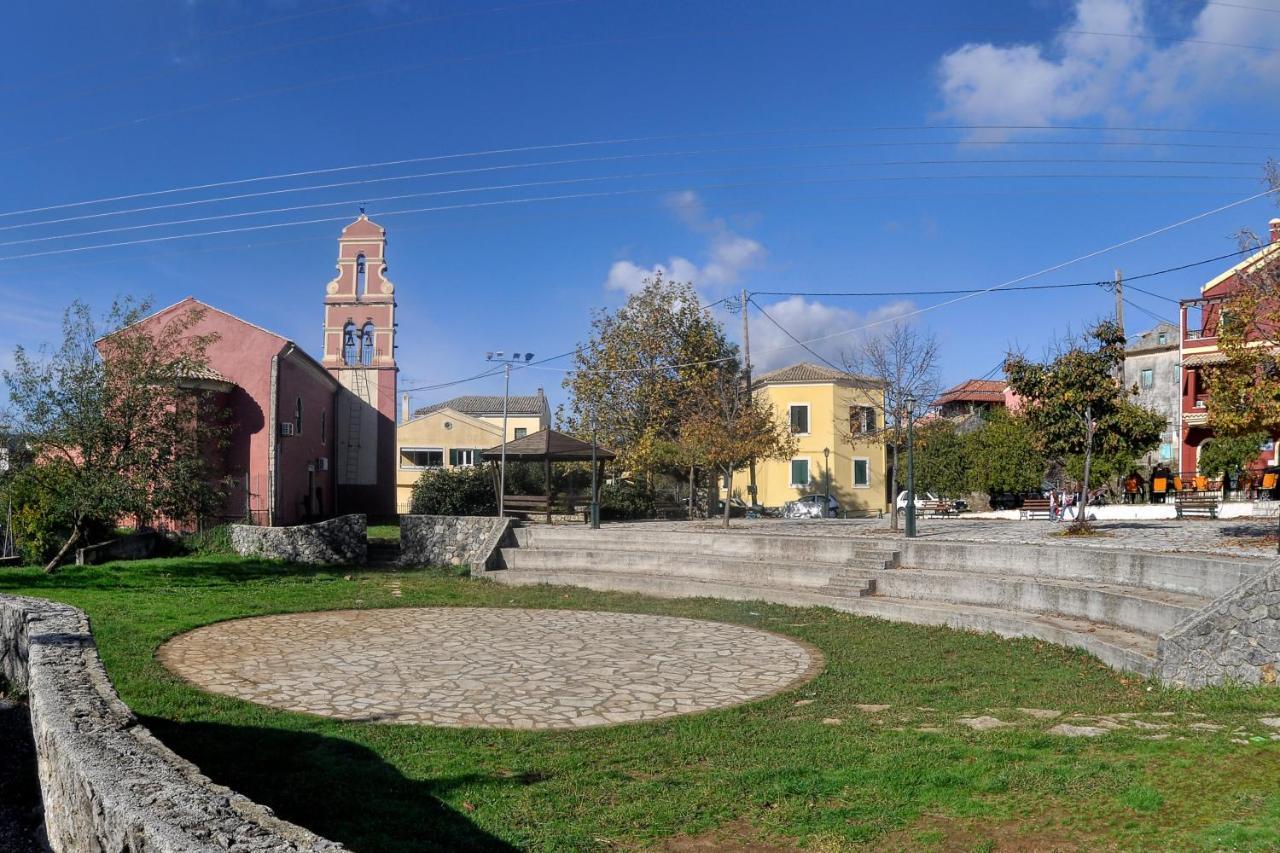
(506, 362)
(746, 363)
(1119, 288)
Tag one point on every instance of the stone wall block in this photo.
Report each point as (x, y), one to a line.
(341, 540)
(452, 540)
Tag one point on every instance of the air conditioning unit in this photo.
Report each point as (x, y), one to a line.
(322, 464)
(286, 428)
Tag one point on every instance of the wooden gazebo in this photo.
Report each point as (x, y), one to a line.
(548, 447)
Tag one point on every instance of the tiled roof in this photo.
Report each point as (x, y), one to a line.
(479, 404)
(975, 390)
(808, 372)
(549, 444)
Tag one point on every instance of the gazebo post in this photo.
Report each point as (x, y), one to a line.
(547, 470)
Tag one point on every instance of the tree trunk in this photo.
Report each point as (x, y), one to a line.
(728, 493)
(1082, 513)
(74, 538)
(692, 488)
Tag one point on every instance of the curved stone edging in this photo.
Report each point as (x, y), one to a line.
(106, 781)
(335, 541)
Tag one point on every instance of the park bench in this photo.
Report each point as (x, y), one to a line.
(670, 509)
(939, 508)
(1032, 507)
(1204, 504)
(526, 506)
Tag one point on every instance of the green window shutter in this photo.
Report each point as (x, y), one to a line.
(799, 472)
(861, 472)
(453, 456)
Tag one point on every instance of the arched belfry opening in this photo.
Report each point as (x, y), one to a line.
(362, 284)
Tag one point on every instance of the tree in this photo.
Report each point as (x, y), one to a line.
(1244, 391)
(942, 462)
(726, 426)
(1003, 455)
(1230, 454)
(906, 362)
(641, 368)
(454, 491)
(115, 427)
(1075, 405)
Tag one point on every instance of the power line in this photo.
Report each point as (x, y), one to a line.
(625, 176)
(799, 342)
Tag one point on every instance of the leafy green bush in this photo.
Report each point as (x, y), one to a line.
(454, 491)
(41, 518)
(215, 541)
(1229, 454)
(626, 499)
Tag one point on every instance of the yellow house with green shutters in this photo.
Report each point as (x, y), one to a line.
(452, 434)
(834, 417)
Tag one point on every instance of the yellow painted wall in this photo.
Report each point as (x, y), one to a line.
(828, 428)
(465, 432)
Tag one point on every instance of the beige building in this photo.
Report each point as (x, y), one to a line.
(834, 417)
(452, 434)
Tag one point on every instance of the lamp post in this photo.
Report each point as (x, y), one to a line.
(910, 401)
(595, 486)
(516, 358)
(826, 464)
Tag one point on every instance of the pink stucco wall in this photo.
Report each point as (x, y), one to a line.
(298, 458)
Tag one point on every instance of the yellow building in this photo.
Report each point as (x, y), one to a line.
(826, 410)
(452, 434)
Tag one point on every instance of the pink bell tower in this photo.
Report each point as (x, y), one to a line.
(360, 350)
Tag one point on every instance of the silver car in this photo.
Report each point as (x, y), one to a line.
(812, 506)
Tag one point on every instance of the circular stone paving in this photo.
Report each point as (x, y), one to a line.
(488, 667)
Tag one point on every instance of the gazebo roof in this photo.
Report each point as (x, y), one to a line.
(547, 444)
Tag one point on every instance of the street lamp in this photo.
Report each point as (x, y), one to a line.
(516, 358)
(595, 485)
(826, 463)
(910, 402)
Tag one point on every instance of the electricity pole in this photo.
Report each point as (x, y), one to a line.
(516, 358)
(746, 361)
(1120, 300)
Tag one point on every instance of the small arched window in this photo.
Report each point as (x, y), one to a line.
(360, 276)
(297, 416)
(350, 344)
(366, 344)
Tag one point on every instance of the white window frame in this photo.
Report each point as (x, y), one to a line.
(808, 418)
(515, 432)
(854, 472)
(404, 467)
(791, 471)
(1142, 376)
(475, 454)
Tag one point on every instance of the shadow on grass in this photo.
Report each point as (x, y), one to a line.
(333, 787)
(168, 571)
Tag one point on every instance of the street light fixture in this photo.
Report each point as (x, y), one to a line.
(910, 402)
(516, 358)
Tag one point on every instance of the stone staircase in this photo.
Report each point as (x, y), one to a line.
(383, 554)
(1065, 597)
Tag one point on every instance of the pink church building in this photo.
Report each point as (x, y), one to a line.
(310, 439)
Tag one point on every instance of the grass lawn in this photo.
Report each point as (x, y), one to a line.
(781, 773)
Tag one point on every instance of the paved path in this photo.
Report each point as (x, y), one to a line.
(493, 668)
(1242, 537)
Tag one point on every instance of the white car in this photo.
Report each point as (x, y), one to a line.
(926, 502)
(811, 506)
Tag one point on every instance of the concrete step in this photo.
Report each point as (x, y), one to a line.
(1125, 650)
(806, 549)
(1128, 608)
(696, 566)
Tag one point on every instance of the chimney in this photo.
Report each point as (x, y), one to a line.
(404, 408)
(1275, 230)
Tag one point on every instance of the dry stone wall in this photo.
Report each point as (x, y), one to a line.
(453, 540)
(1236, 638)
(338, 540)
(106, 782)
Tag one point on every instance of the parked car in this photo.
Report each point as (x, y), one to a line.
(927, 501)
(812, 506)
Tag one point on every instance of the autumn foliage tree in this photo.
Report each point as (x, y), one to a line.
(638, 373)
(1076, 406)
(115, 425)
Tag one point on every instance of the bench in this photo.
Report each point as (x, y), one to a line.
(939, 508)
(1033, 507)
(1195, 504)
(670, 509)
(524, 506)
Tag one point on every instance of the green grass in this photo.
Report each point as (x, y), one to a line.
(766, 773)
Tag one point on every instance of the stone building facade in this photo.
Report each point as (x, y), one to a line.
(1152, 366)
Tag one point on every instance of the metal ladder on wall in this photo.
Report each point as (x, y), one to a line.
(355, 417)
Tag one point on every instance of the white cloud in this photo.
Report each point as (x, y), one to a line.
(729, 254)
(1081, 74)
(771, 347)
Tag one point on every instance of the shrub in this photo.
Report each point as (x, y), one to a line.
(626, 499)
(454, 491)
(41, 523)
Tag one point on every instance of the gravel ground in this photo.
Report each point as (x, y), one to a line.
(21, 829)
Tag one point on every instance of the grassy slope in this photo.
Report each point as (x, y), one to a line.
(771, 770)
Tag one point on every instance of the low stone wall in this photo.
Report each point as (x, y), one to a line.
(338, 540)
(1236, 638)
(106, 782)
(453, 540)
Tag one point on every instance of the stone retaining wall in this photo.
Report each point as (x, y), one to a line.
(1236, 638)
(338, 540)
(106, 782)
(453, 540)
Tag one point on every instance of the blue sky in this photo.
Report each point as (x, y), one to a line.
(776, 146)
